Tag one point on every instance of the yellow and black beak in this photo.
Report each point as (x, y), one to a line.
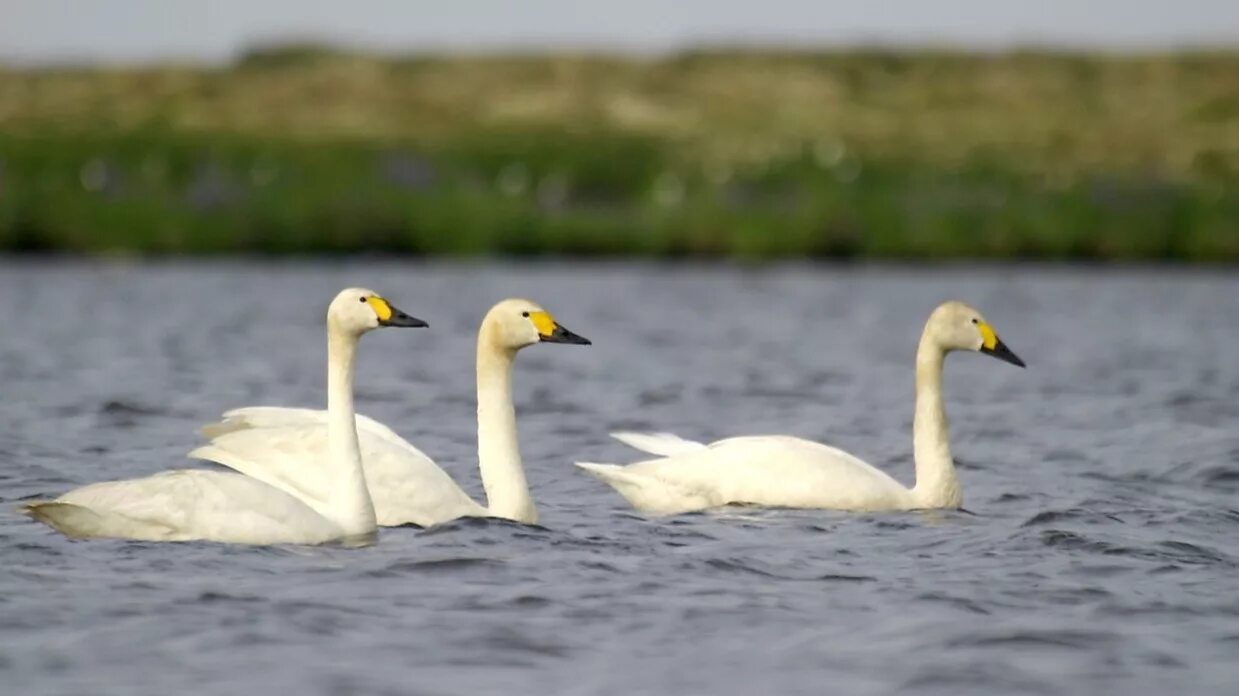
(390, 316)
(562, 335)
(992, 345)
(549, 330)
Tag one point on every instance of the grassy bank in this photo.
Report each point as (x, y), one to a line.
(733, 154)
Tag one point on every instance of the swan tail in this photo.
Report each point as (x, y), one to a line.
(615, 476)
(645, 493)
(73, 521)
(662, 444)
(600, 470)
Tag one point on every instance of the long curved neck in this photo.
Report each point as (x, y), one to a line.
(349, 501)
(499, 456)
(937, 485)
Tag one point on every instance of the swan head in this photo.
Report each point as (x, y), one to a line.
(956, 326)
(358, 310)
(513, 324)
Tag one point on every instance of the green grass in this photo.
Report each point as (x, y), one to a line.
(738, 154)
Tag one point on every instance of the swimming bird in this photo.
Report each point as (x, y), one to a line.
(195, 504)
(280, 446)
(785, 471)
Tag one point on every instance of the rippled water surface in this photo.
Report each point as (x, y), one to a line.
(1098, 552)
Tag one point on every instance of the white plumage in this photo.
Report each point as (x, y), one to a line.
(285, 447)
(785, 471)
(185, 505)
(193, 504)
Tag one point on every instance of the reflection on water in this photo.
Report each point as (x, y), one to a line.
(1097, 552)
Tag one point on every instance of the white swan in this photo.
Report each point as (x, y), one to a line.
(278, 445)
(192, 504)
(784, 471)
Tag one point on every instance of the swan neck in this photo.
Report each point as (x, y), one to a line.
(349, 503)
(499, 457)
(937, 484)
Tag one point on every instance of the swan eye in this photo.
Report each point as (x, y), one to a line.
(363, 301)
(974, 321)
(525, 314)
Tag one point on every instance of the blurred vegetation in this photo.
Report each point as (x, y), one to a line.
(724, 153)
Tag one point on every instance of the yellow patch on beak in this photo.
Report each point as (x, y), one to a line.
(543, 322)
(380, 307)
(989, 339)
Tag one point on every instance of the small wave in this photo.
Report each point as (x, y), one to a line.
(998, 678)
(125, 414)
(211, 597)
(1208, 518)
(510, 640)
(1060, 638)
(1126, 606)
(1185, 552)
(486, 602)
(737, 566)
(1222, 476)
(1058, 538)
(1073, 515)
(678, 530)
(969, 465)
(1074, 596)
(115, 407)
(893, 524)
(465, 523)
(1167, 551)
(531, 601)
(837, 577)
(433, 566)
(600, 565)
(960, 602)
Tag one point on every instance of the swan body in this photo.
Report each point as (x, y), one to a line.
(191, 504)
(785, 471)
(772, 470)
(186, 505)
(284, 447)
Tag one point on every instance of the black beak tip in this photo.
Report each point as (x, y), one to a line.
(1012, 357)
(1003, 353)
(562, 335)
(400, 319)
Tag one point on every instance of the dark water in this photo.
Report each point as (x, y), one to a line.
(1100, 553)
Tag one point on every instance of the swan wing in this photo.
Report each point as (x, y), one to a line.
(184, 505)
(279, 416)
(405, 485)
(775, 470)
(662, 444)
